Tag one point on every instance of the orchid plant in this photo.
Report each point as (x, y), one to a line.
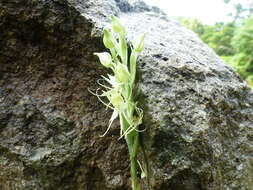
(119, 90)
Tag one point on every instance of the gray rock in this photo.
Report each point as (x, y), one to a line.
(198, 112)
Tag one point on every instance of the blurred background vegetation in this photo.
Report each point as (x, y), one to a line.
(233, 41)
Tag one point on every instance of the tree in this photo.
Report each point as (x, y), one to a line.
(217, 36)
(243, 45)
(232, 41)
(193, 24)
(242, 9)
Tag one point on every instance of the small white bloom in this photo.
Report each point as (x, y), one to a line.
(105, 59)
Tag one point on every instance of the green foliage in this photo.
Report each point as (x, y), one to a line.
(242, 9)
(243, 44)
(243, 38)
(193, 24)
(120, 91)
(219, 38)
(232, 41)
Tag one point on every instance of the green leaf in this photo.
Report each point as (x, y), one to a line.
(133, 58)
(108, 39)
(117, 26)
(138, 43)
(114, 55)
(123, 49)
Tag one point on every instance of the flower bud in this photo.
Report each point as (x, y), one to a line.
(138, 43)
(122, 73)
(117, 26)
(105, 59)
(108, 39)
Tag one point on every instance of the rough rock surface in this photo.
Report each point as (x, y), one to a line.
(198, 112)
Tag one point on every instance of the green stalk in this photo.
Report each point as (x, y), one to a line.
(134, 163)
(132, 140)
(124, 124)
(114, 55)
(134, 177)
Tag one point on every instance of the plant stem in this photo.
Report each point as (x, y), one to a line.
(134, 177)
(132, 140)
(134, 163)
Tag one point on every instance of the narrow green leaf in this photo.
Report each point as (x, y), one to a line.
(133, 58)
(117, 26)
(123, 49)
(108, 39)
(114, 55)
(138, 43)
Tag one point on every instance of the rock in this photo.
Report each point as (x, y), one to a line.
(198, 112)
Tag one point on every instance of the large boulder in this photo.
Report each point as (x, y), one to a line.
(198, 113)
